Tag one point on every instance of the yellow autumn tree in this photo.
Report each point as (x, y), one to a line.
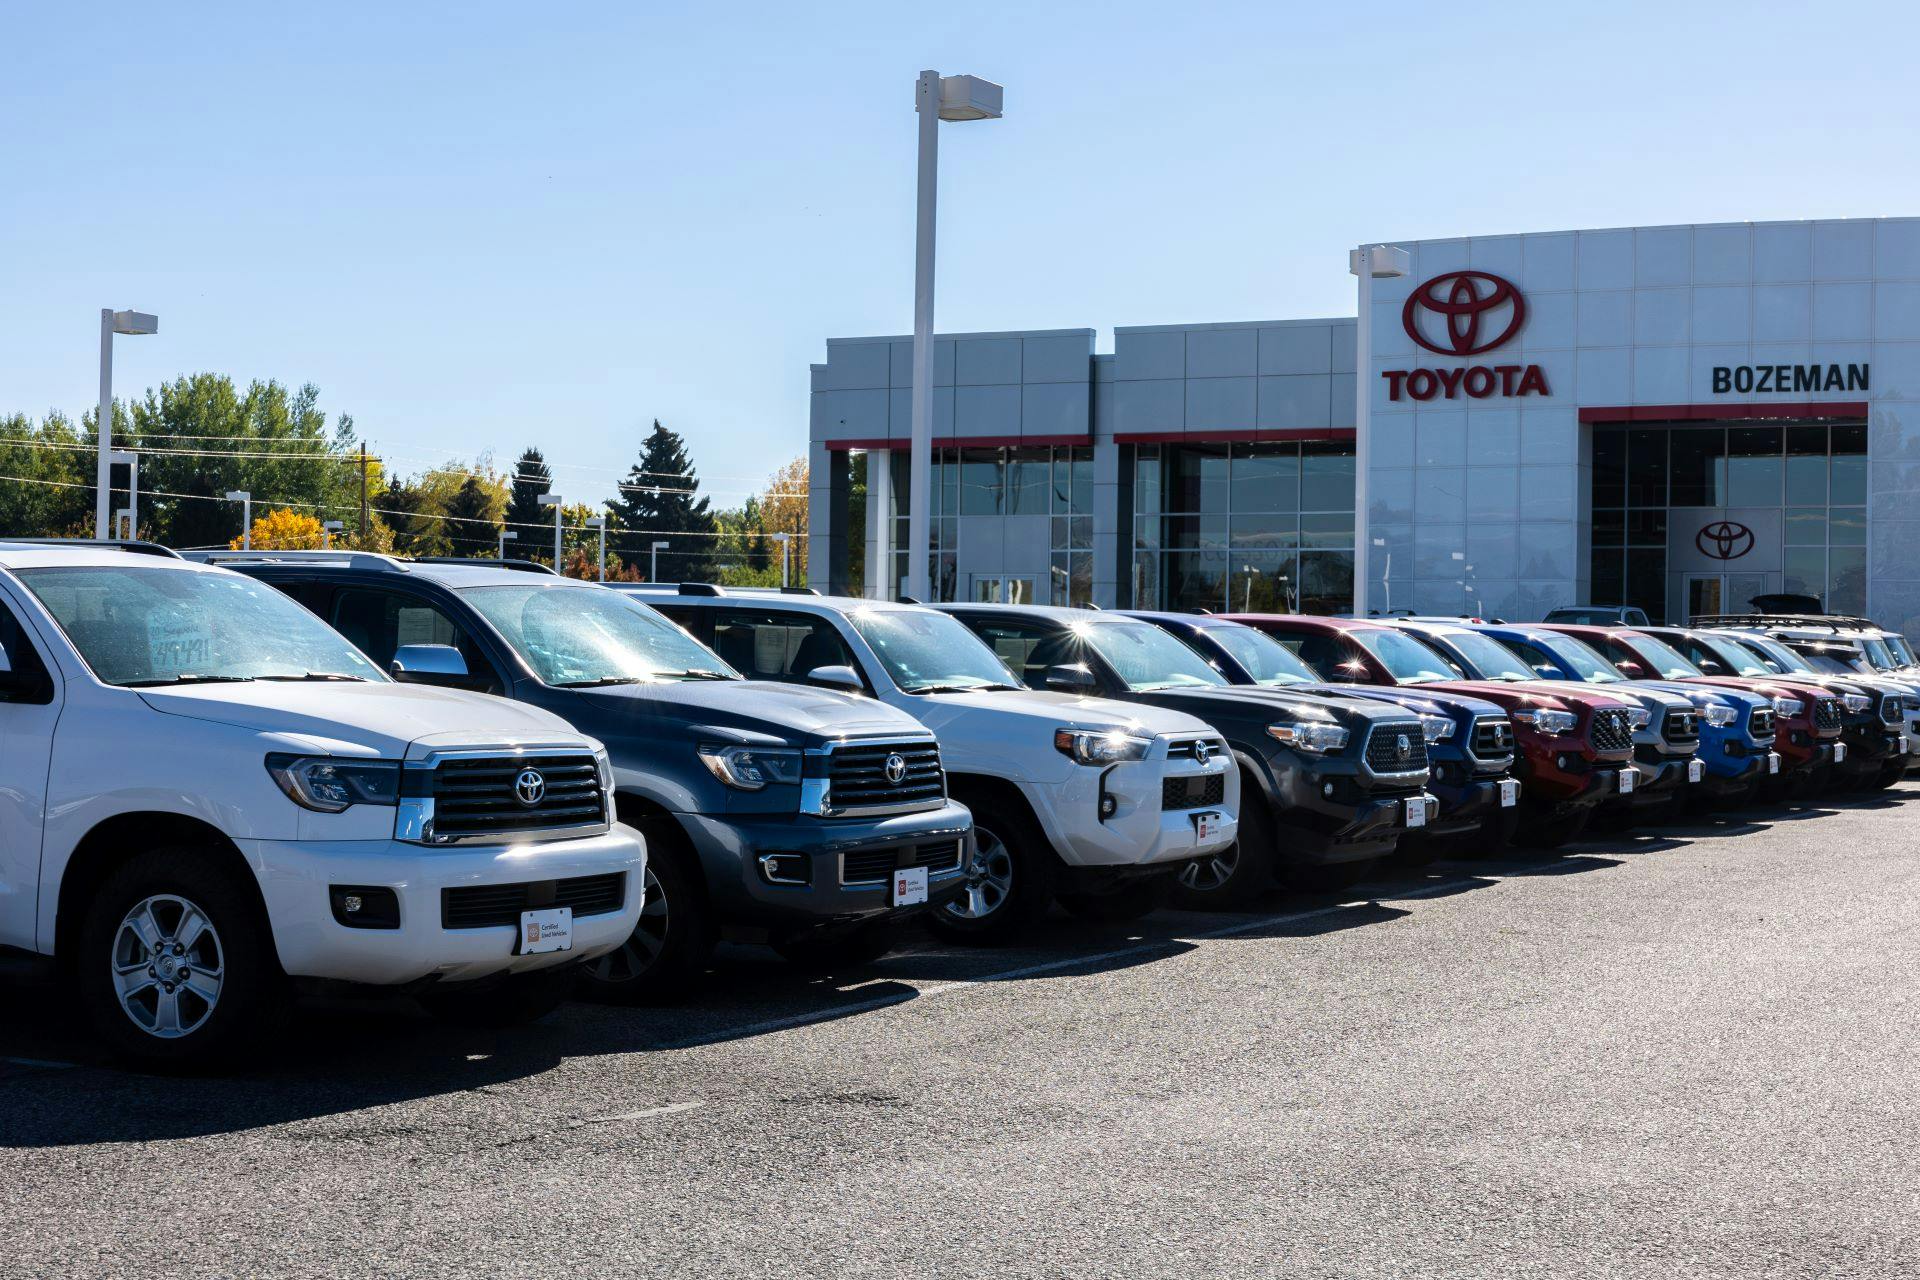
(783, 509)
(283, 530)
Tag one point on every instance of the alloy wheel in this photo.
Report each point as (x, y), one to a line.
(643, 946)
(168, 966)
(992, 878)
(1210, 874)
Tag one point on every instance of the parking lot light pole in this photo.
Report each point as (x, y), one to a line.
(653, 563)
(936, 98)
(505, 537)
(600, 523)
(327, 529)
(245, 500)
(1369, 262)
(131, 461)
(111, 322)
(555, 501)
(784, 539)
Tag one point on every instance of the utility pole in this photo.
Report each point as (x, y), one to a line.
(363, 494)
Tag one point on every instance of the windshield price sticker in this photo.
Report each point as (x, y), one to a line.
(178, 644)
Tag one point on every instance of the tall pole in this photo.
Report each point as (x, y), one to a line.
(103, 428)
(363, 496)
(133, 495)
(920, 470)
(1362, 404)
(603, 548)
(557, 511)
(653, 564)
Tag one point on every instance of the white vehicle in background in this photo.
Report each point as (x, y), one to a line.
(208, 799)
(1095, 803)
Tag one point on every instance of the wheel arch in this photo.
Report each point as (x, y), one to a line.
(114, 841)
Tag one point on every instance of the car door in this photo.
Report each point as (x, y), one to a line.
(29, 709)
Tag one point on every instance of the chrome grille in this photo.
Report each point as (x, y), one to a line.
(1196, 748)
(1611, 730)
(488, 905)
(1193, 791)
(1492, 739)
(1397, 748)
(479, 796)
(1890, 709)
(874, 866)
(1827, 715)
(1682, 726)
(1760, 724)
(857, 774)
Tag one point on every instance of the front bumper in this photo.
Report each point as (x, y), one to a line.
(1141, 831)
(1328, 811)
(836, 892)
(294, 878)
(1658, 779)
(1465, 805)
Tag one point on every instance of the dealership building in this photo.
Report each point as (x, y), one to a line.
(1678, 418)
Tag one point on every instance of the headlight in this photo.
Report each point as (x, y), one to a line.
(1858, 702)
(1639, 717)
(1720, 717)
(751, 768)
(332, 786)
(1548, 722)
(1788, 707)
(1310, 735)
(1092, 747)
(1437, 728)
(603, 766)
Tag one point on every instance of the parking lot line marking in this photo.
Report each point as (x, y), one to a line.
(39, 1062)
(670, 1109)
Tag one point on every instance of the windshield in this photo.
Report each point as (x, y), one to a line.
(1667, 662)
(1488, 659)
(1408, 660)
(1145, 657)
(1582, 658)
(930, 652)
(1735, 659)
(1265, 659)
(574, 637)
(1776, 653)
(1878, 653)
(1901, 649)
(153, 626)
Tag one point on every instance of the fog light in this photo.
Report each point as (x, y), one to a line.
(786, 868)
(1108, 805)
(1326, 788)
(359, 906)
(1560, 762)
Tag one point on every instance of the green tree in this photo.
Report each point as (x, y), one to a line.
(530, 479)
(473, 527)
(660, 500)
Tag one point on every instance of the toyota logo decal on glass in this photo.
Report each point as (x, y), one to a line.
(1724, 540)
(530, 787)
(1468, 305)
(896, 768)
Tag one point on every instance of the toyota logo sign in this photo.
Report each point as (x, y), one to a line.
(1724, 540)
(1466, 310)
(896, 768)
(530, 787)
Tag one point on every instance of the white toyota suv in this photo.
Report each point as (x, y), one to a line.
(209, 799)
(1091, 802)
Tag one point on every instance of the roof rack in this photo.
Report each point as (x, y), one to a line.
(486, 562)
(372, 560)
(134, 546)
(1826, 621)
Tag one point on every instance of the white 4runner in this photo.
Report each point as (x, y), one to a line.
(1094, 803)
(205, 793)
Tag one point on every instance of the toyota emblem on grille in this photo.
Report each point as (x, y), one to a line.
(530, 787)
(1202, 752)
(1404, 745)
(896, 767)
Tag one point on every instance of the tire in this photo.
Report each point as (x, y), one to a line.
(198, 918)
(1233, 879)
(1329, 879)
(665, 956)
(1538, 830)
(1130, 901)
(520, 999)
(841, 949)
(1013, 882)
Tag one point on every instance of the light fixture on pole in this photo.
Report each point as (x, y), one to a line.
(936, 98)
(554, 500)
(111, 322)
(245, 500)
(783, 539)
(505, 537)
(653, 562)
(327, 530)
(600, 523)
(131, 461)
(1369, 262)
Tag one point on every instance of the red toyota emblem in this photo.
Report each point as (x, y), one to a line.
(1463, 300)
(1724, 540)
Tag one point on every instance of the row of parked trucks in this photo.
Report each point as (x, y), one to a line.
(235, 775)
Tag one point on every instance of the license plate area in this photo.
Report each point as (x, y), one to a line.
(1696, 770)
(1773, 762)
(1839, 753)
(909, 886)
(1629, 778)
(1206, 826)
(1416, 813)
(1509, 793)
(548, 929)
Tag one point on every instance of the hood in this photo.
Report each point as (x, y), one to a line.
(1239, 701)
(1051, 710)
(753, 711)
(383, 718)
(1651, 695)
(1701, 696)
(1554, 695)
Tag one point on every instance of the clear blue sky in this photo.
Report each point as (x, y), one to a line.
(482, 226)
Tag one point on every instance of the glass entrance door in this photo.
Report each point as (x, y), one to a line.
(1719, 593)
(1003, 588)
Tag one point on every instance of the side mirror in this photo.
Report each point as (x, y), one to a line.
(1547, 671)
(1074, 678)
(1631, 669)
(841, 677)
(439, 664)
(1347, 673)
(1709, 667)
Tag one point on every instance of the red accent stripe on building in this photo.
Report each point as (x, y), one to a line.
(1262, 436)
(1725, 412)
(965, 442)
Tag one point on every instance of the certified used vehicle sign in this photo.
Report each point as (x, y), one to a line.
(550, 929)
(909, 886)
(1205, 827)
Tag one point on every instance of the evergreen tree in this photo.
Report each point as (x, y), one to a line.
(754, 552)
(659, 500)
(530, 479)
(471, 526)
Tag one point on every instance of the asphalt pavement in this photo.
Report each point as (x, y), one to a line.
(1692, 1052)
